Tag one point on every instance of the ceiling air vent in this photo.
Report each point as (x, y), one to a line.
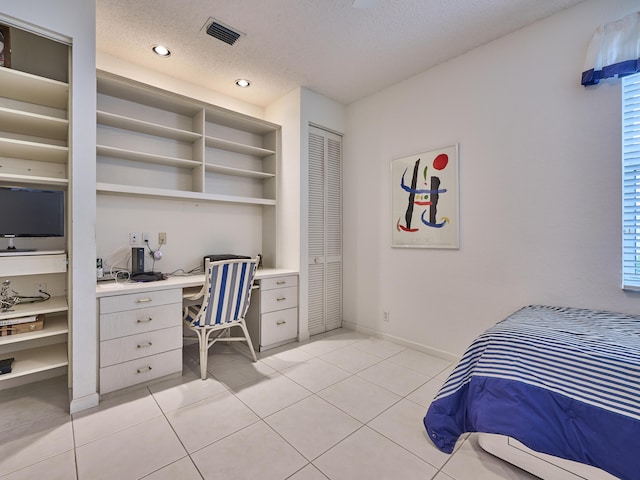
(222, 32)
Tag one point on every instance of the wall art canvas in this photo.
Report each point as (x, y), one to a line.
(424, 199)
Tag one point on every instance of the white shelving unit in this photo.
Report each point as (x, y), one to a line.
(189, 150)
(33, 129)
(41, 353)
(34, 152)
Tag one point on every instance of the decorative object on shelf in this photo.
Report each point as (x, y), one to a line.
(5, 365)
(5, 47)
(425, 199)
(14, 326)
(8, 298)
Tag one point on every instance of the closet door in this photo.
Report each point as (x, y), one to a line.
(325, 230)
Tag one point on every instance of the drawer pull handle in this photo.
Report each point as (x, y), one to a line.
(281, 322)
(145, 369)
(281, 282)
(281, 298)
(144, 300)
(145, 345)
(144, 320)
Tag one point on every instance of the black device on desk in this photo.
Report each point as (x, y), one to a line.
(148, 276)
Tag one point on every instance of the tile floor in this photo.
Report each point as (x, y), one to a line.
(341, 406)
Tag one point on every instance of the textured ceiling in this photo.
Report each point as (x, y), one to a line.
(328, 46)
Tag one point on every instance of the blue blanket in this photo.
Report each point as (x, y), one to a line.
(562, 381)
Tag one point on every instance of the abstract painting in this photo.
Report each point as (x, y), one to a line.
(424, 199)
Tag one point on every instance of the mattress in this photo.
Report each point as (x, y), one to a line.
(562, 381)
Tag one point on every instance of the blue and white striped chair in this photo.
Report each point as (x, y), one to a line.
(225, 300)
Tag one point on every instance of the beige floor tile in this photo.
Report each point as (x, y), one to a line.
(60, 467)
(209, 420)
(252, 453)
(33, 442)
(359, 398)
(115, 413)
(270, 394)
(131, 453)
(420, 362)
(31, 402)
(400, 380)
(239, 371)
(308, 473)
(351, 359)
(283, 358)
(315, 374)
(402, 423)
(425, 394)
(378, 347)
(367, 454)
(312, 425)
(183, 469)
(180, 392)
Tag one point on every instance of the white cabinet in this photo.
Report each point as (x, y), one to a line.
(42, 353)
(158, 144)
(140, 337)
(272, 318)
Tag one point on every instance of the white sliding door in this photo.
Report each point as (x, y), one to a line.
(325, 230)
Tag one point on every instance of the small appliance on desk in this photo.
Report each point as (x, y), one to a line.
(137, 268)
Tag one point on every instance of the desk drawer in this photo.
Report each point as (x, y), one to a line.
(279, 282)
(128, 348)
(278, 299)
(131, 322)
(130, 301)
(130, 373)
(279, 326)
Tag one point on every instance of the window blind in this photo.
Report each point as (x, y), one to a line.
(631, 182)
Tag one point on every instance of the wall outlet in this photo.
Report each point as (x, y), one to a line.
(146, 238)
(162, 238)
(133, 239)
(386, 316)
(41, 287)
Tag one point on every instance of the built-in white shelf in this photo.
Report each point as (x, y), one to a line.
(136, 191)
(145, 157)
(238, 172)
(236, 147)
(43, 152)
(35, 180)
(53, 325)
(39, 264)
(36, 360)
(34, 89)
(34, 124)
(141, 126)
(53, 305)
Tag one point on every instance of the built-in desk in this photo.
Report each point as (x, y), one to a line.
(141, 323)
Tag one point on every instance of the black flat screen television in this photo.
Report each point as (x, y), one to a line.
(30, 212)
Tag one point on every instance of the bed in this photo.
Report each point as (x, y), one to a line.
(554, 383)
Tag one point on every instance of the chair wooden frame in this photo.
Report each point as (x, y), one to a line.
(225, 298)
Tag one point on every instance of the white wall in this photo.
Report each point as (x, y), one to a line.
(73, 21)
(539, 187)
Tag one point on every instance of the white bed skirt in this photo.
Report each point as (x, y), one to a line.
(541, 465)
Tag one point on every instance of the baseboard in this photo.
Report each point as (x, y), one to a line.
(83, 403)
(401, 341)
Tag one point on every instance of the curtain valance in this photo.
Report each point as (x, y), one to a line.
(614, 50)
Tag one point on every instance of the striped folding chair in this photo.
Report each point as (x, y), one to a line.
(223, 304)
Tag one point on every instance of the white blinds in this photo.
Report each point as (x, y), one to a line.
(631, 182)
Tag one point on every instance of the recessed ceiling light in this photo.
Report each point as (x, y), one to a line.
(243, 83)
(161, 51)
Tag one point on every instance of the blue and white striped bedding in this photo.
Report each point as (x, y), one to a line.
(562, 381)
